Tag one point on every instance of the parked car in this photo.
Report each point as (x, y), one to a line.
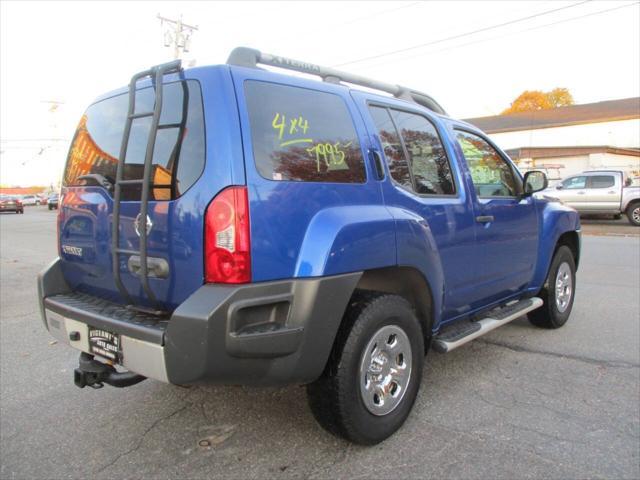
(29, 200)
(328, 236)
(600, 192)
(52, 201)
(11, 204)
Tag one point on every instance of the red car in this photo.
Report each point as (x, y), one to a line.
(11, 204)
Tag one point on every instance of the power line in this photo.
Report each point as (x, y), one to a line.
(453, 37)
(506, 35)
(381, 12)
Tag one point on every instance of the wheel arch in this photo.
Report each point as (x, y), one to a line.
(570, 239)
(409, 283)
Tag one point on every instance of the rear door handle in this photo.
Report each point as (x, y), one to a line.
(484, 218)
(581, 193)
(377, 162)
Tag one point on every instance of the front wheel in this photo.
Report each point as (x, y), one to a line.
(373, 374)
(633, 214)
(558, 291)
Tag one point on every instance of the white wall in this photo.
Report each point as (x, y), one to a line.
(622, 134)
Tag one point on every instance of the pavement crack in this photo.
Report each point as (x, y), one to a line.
(579, 358)
(138, 444)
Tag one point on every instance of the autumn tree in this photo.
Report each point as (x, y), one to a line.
(531, 100)
(560, 97)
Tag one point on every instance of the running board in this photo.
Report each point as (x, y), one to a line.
(459, 333)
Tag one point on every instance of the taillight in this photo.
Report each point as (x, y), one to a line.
(227, 243)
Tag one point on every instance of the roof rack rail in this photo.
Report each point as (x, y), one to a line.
(249, 57)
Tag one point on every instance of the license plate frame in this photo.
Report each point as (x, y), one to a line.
(105, 343)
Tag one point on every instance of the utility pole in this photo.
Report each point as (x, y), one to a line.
(176, 33)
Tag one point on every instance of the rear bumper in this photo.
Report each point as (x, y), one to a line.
(270, 333)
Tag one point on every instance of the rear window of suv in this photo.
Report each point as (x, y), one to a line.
(302, 135)
(179, 153)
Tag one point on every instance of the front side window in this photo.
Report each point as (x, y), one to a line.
(601, 181)
(574, 183)
(492, 176)
(302, 135)
(178, 156)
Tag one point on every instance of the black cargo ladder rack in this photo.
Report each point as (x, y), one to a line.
(156, 74)
(248, 57)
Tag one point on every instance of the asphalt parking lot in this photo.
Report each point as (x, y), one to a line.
(519, 403)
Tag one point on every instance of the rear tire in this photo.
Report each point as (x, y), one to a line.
(373, 374)
(633, 214)
(558, 291)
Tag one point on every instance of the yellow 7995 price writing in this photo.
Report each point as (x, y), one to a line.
(331, 155)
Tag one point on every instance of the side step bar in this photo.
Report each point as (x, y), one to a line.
(451, 337)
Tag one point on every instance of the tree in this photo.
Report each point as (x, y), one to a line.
(531, 100)
(560, 97)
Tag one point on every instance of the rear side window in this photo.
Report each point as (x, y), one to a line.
(179, 153)
(414, 152)
(392, 146)
(302, 135)
(428, 160)
(601, 181)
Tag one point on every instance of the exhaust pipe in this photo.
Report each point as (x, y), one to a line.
(94, 374)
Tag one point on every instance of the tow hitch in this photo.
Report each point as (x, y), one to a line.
(94, 374)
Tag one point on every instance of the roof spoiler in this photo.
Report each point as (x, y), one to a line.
(249, 57)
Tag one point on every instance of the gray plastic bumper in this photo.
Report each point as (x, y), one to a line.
(268, 333)
(265, 333)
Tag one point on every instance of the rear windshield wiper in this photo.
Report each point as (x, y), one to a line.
(99, 179)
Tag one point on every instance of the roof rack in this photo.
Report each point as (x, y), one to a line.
(249, 57)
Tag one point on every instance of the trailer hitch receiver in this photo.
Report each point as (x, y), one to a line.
(93, 373)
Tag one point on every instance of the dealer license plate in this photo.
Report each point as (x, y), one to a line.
(105, 344)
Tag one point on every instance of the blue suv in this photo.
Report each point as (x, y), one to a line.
(236, 225)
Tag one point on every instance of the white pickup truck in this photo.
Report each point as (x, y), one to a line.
(600, 192)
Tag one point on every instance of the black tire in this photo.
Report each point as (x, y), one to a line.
(550, 314)
(633, 214)
(50, 208)
(335, 398)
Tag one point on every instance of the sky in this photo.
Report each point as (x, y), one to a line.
(474, 57)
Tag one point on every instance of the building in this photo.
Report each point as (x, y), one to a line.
(567, 140)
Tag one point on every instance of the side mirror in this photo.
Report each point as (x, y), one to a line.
(559, 187)
(534, 181)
